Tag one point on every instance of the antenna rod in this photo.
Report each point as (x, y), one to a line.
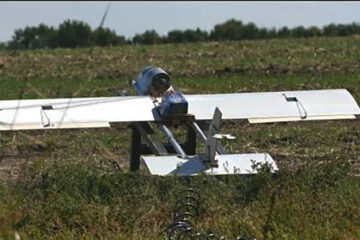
(105, 14)
(101, 24)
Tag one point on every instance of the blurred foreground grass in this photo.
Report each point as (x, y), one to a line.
(60, 184)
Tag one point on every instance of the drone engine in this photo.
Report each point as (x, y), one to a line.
(152, 81)
(156, 82)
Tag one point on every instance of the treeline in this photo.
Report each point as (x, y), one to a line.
(73, 34)
(69, 34)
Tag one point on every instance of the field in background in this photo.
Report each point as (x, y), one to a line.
(61, 184)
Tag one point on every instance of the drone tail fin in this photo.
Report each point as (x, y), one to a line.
(211, 142)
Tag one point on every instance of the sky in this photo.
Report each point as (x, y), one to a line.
(128, 18)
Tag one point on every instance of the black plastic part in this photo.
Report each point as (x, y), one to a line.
(135, 147)
(47, 107)
(291, 99)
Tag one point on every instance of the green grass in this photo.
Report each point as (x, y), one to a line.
(82, 201)
(60, 184)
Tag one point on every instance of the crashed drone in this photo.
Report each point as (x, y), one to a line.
(159, 103)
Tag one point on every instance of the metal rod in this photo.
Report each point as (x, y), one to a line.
(172, 140)
(199, 132)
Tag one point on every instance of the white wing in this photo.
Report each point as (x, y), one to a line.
(276, 106)
(99, 112)
(73, 112)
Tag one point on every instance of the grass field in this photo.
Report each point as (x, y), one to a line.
(60, 184)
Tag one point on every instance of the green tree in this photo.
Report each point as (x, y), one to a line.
(344, 30)
(330, 30)
(175, 36)
(148, 37)
(230, 30)
(22, 38)
(105, 37)
(41, 36)
(73, 33)
(263, 33)
(284, 32)
(189, 35)
(298, 32)
(313, 31)
(271, 33)
(251, 31)
(194, 35)
(354, 28)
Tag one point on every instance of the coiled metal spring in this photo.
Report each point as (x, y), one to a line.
(185, 213)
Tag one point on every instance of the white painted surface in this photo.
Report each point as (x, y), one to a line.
(292, 119)
(76, 112)
(98, 112)
(228, 164)
(55, 126)
(273, 105)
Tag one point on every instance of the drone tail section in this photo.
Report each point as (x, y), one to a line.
(228, 164)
